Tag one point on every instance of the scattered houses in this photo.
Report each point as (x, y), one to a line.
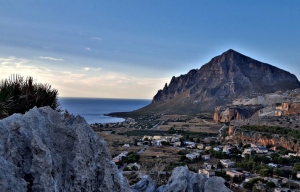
(193, 155)
(200, 146)
(227, 163)
(234, 173)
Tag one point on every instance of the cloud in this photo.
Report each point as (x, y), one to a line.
(87, 48)
(96, 38)
(69, 82)
(51, 58)
(91, 69)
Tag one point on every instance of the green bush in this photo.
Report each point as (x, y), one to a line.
(270, 184)
(132, 158)
(18, 95)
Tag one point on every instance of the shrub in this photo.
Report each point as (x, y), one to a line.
(18, 95)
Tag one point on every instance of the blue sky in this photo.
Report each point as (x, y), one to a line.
(129, 49)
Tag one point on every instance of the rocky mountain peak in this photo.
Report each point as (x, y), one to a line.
(224, 78)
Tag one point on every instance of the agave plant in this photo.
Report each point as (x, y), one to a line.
(18, 95)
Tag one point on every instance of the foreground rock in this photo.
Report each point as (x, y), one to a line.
(146, 184)
(184, 180)
(41, 151)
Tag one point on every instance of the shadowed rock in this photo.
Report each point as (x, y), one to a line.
(146, 184)
(184, 180)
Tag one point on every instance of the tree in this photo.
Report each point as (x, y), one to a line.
(182, 158)
(240, 144)
(265, 172)
(164, 143)
(171, 130)
(270, 184)
(132, 157)
(19, 95)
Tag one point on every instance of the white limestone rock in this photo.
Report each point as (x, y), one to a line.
(146, 184)
(184, 180)
(41, 151)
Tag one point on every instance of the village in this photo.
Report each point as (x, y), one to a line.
(244, 166)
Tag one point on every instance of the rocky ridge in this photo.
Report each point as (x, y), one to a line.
(42, 151)
(239, 134)
(183, 180)
(270, 105)
(223, 79)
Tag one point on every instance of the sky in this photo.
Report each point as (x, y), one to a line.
(131, 48)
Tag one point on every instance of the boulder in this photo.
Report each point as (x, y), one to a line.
(184, 180)
(215, 184)
(146, 184)
(43, 151)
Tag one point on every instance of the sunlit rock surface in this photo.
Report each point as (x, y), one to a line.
(42, 151)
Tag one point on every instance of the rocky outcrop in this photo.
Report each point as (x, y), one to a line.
(220, 81)
(265, 139)
(146, 184)
(227, 114)
(42, 151)
(184, 180)
(290, 108)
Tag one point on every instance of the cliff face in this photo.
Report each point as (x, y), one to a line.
(265, 139)
(220, 81)
(226, 114)
(41, 151)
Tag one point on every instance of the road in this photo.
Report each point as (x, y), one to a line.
(154, 127)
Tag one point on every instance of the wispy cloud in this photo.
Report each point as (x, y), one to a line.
(96, 38)
(51, 58)
(87, 48)
(91, 69)
(82, 83)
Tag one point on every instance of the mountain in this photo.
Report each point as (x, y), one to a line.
(224, 78)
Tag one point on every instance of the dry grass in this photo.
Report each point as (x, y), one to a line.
(166, 153)
(193, 125)
(115, 142)
(171, 117)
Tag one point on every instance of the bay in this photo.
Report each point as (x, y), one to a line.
(93, 109)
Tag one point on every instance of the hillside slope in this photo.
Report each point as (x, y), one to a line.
(226, 77)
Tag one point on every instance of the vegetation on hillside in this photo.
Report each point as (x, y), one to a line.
(18, 95)
(273, 130)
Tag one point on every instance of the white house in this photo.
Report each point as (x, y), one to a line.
(126, 145)
(208, 173)
(193, 155)
(272, 165)
(200, 146)
(205, 157)
(262, 150)
(216, 149)
(227, 163)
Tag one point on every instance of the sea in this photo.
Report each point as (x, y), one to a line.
(94, 109)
